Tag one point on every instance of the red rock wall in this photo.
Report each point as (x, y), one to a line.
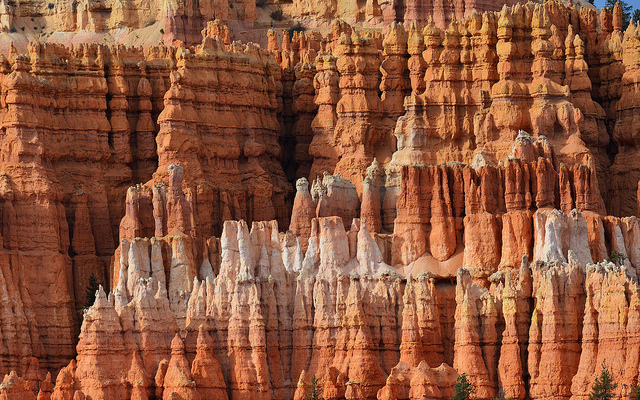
(442, 208)
(270, 319)
(625, 132)
(367, 304)
(378, 12)
(472, 86)
(79, 128)
(219, 123)
(64, 166)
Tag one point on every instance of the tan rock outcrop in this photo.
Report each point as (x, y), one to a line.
(406, 382)
(304, 108)
(304, 210)
(177, 380)
(476, 336)
(322, 146)
(14, 387)
(101, 352)
(63, 389)
(624, 169)
(516, 291)
(357, 136)
(488, 213)
(610, 292)
(552, 320)
(335, 196)
(345, 326)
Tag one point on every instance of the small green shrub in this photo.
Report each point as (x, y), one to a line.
(261, 3)
(616, 258)
(162, 31)
(90, 294)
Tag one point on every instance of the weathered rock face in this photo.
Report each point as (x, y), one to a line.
(370, 13)
(136, 22)
(421, 176)
(246, 315)
(409, 382)
(625, 168)
(304, 108)
(322, 146)
(63, 168)
(488, 215)
(79, 124)
(335, 196)
(248, 309)
(101, 352)
(338, 317)
(359, 109)
(231, 160)
(205, 369)
(551, 113)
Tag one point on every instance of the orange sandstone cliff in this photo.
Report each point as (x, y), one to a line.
(466, 201)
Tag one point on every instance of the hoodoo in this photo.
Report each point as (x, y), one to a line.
(365, 201)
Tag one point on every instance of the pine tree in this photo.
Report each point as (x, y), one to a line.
(463, 389)
(626, 11)
(90, 294)
(604, 386)
(313, 393)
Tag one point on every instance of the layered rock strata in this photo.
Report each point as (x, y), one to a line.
(269, 319)
(79, 124)
(533, 68)
(375, 13)
(219, 123)
(425, 122)
(490, 214)
(625, 133)
(247, 315)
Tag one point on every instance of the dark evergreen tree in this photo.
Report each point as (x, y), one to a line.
(463, 389)
(604, 386)
(616, 258)
(626, 11)
(313, 393)
(90, 294)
